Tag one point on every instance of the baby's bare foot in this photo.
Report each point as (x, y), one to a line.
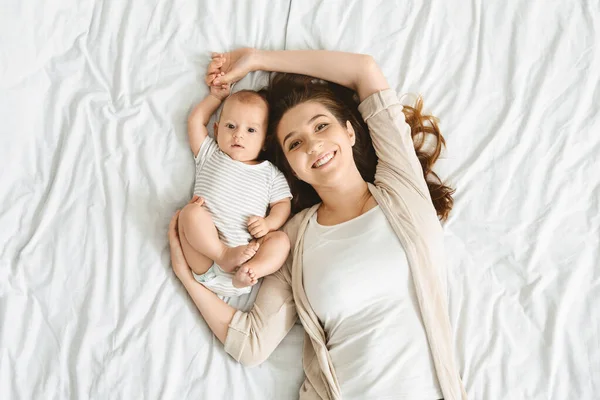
(233, 257)
(244, 277)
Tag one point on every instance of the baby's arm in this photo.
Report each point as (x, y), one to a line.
(200, 115)
(279, 214)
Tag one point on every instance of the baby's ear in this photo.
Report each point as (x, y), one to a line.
(216, 129)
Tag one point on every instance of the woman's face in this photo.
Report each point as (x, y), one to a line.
(317, 147)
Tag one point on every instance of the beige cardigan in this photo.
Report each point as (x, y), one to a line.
(401, 192)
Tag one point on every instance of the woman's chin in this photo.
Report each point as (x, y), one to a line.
(327, 178)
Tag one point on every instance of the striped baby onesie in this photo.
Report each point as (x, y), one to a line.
(233, 192)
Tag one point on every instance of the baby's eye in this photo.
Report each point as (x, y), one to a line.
(251, 130)
(230, 126)
(294, 145)
(321, 126)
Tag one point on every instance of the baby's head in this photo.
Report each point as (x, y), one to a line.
(242, 126)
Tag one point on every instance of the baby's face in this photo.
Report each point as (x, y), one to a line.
(242, 129)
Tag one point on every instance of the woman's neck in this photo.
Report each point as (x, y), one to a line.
(345, 201)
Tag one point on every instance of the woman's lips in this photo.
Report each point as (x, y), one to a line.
(324, 159)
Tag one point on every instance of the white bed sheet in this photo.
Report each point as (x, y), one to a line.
(94, 161)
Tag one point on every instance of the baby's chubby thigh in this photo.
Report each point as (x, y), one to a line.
(276, 244)
(278, 238)
(194, 222)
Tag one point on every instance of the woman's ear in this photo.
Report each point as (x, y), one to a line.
(216, 130)
(351, 133)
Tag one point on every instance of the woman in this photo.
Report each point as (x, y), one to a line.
(365, 271)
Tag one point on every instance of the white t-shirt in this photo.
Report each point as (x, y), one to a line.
(358, 282)
(234, 191)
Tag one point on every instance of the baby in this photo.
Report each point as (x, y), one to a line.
(228, 240)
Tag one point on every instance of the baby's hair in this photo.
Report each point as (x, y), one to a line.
(246, 96)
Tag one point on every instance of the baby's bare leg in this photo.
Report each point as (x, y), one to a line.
(197, 261)
(271, 255)
(200, 233)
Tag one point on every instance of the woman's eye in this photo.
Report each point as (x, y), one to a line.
(251, 130)
(321, 126)
(294, 145)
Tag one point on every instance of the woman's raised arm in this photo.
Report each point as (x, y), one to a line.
(358, 72)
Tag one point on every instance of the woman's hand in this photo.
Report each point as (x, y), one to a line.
(235, 65)
(180, 266)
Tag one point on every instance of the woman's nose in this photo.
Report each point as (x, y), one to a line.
(314, 146)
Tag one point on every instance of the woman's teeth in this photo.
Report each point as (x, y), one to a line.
(323, 160)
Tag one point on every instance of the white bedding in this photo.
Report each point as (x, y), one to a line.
(94, 161)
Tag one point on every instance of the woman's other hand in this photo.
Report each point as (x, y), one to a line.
(235, 65)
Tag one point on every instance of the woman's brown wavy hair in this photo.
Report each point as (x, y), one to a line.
(288, 90)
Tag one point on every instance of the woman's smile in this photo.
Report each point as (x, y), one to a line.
(324, 160)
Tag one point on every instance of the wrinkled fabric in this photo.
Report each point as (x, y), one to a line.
(94, 161)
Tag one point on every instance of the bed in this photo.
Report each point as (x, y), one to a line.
(94, 162)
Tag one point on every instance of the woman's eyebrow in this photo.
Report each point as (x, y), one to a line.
(308, 123)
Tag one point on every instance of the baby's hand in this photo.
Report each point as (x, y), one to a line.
(220, 91)
(257, 226)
